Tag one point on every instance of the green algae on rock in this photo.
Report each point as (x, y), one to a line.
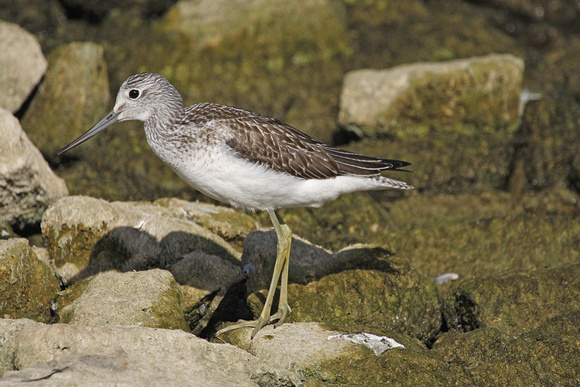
(27, 285)
(546, 355)
(512, 303)
(359, 289)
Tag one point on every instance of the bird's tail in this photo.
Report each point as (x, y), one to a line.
(392, 183)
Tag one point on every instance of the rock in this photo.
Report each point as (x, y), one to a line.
(85, 236)
(9, 333)
(510, 302)
(549, 147)
(28, 286)
(114, 355)
(358, 288)
(546, 355)
(73, 97)
(27, 184)
(35, 16)
(256, 49)
(391, 13)
(482, 91)
(292, 346)
(297, 346)
(22, 63)
(559, 13)
(226, 222)
(6, 231)
(286, 356)
(553, 202)
(304, 30)
(482, 235)
(322, 357)
(145, 298)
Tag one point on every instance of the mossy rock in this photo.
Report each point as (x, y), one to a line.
(546, 355)
(510, 303)
(27, 285)
(73, 97)
(374, 292)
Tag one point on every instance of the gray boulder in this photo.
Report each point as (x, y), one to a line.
(27, 184)
(22, 64)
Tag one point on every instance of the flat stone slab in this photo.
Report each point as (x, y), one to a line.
(49, 355)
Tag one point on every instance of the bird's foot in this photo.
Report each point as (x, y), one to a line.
(259, 323)
(280, 315)
(256, 324)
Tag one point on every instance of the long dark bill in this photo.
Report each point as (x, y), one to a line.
(103, 124)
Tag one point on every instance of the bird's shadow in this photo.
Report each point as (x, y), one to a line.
(309, 262)
(127, 249)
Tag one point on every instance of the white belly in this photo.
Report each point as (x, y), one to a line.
(240, 183)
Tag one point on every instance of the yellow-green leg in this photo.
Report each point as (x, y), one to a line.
(284, 236)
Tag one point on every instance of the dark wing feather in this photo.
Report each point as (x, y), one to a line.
(280, 146)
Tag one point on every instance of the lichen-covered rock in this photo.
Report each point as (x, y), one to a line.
(146, 298)
(259, 52)
(27, 285)
(86, 235)
(514, 303)
(473, 235)
(27, 184)
(22, 64)
(73, 96)
(358, 288)
(481, 91)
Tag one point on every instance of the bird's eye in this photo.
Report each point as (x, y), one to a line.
(133, 94)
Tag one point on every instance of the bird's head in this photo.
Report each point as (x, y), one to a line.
(142, 97)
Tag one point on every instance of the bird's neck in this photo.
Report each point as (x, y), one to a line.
(162, 125)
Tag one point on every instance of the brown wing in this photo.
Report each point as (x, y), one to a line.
(280, 146)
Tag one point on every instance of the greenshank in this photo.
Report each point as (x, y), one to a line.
(246, 160)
